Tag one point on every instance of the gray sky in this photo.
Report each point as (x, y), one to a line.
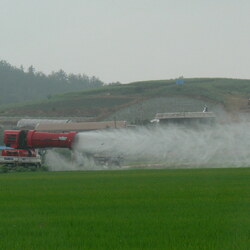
(130, 40)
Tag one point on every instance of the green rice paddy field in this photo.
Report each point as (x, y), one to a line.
(132, 209)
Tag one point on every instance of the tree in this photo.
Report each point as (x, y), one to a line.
(31, 70)
(18, 85)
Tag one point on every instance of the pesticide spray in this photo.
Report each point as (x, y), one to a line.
(226, 145)
(57, 162)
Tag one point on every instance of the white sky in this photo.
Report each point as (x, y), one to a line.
(118, 40)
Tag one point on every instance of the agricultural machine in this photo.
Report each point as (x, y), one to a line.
(22, 145)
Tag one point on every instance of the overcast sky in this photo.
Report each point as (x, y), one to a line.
(118, 40)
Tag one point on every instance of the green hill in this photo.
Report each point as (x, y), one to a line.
(102, 103)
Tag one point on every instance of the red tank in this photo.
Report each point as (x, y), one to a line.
(30, 139)
(37, 139)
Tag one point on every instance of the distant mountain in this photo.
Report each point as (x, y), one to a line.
(16, 85)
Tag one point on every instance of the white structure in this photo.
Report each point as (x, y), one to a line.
(32, 123)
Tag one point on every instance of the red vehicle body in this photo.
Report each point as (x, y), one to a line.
(24, 142)
(19, 152)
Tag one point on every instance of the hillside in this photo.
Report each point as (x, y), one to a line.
(18, 85)
(113, 102)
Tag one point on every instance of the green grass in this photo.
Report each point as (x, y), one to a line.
(106, 100)
(137, 209)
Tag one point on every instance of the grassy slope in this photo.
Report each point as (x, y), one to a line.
(101, 102)
(146, 209)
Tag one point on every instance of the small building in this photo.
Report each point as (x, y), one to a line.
(186, 118)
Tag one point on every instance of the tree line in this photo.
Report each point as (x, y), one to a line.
(18, 85)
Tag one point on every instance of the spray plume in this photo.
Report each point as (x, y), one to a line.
(58, 162)
(227, 144)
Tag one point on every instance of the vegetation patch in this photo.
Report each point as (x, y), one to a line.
(104, 101)
(13, 169)
(135, 209)
(18, 85)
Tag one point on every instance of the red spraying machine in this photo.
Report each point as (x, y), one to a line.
(22, 144)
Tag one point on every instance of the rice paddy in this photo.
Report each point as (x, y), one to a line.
(131, 209)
